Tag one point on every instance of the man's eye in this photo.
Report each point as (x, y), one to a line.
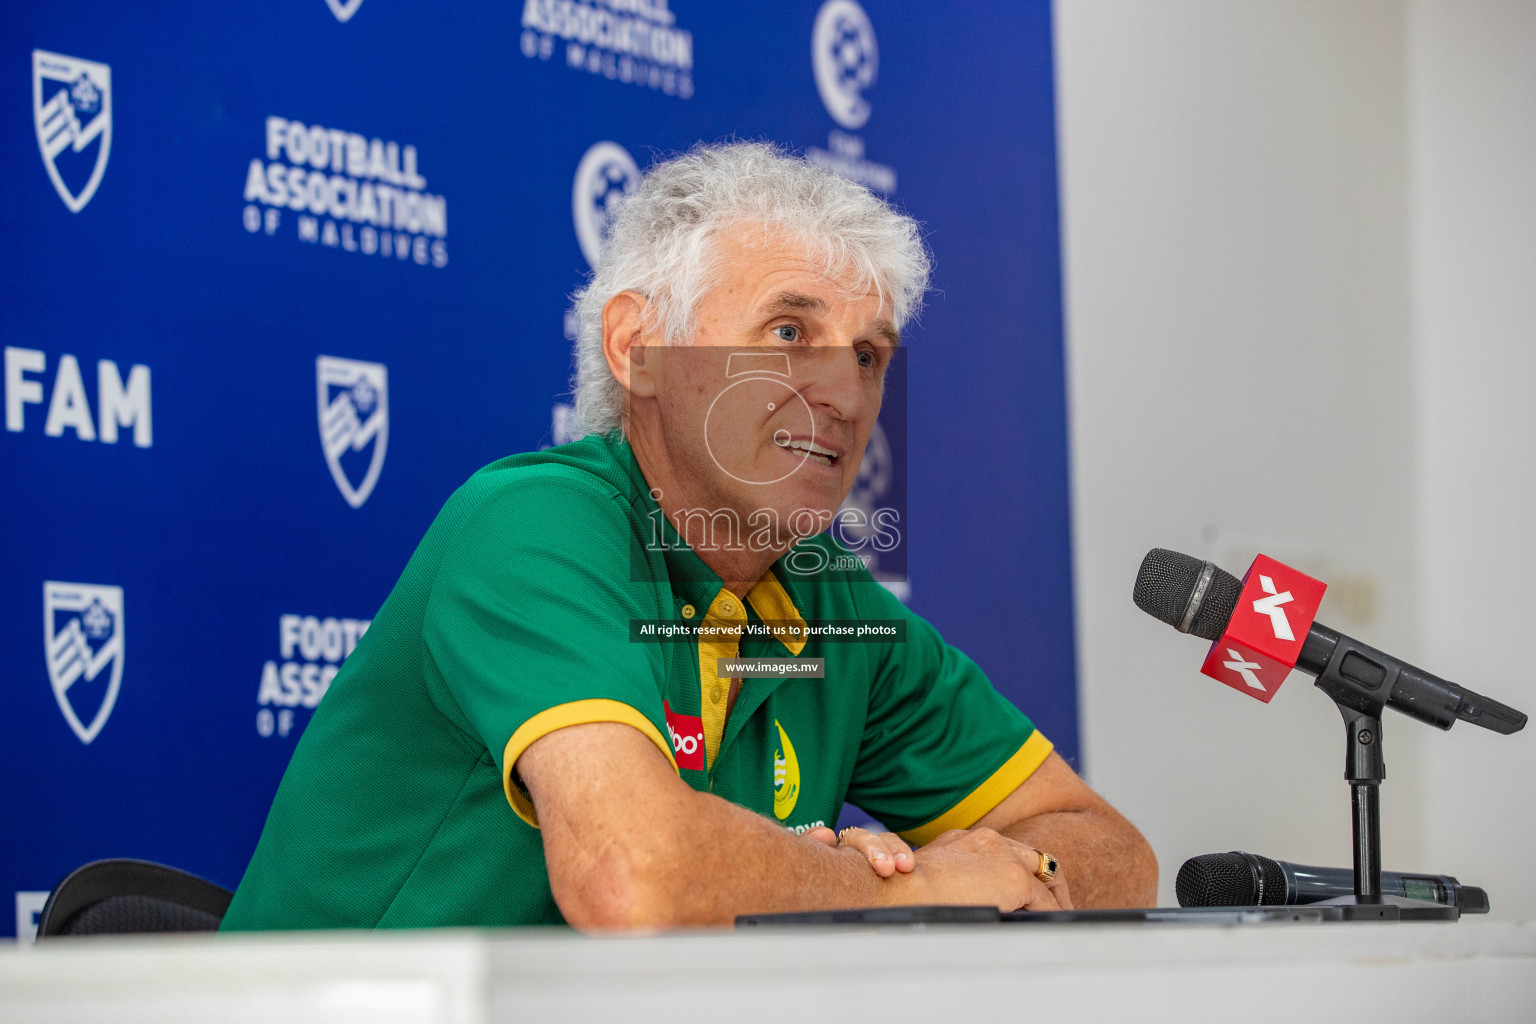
(788, 332)
(866, 359)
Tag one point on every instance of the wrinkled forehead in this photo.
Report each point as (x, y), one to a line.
(768, 270)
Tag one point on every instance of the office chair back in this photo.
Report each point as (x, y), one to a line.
(125, 897)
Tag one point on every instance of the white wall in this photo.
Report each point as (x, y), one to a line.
(1235, 207)
(1472, 92)
(1300, 254)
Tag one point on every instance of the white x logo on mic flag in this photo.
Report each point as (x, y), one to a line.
(1271, 606)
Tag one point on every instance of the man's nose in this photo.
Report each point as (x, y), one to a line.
(832, 379)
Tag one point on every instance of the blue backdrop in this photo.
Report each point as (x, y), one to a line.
(277, 278)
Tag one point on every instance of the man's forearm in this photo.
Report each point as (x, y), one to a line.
(720, 861)
(1105, 860)
(649, 851)
(656, 853)
(732, 861)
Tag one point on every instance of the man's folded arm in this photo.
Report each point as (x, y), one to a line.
(629, 844)
(1105, 859)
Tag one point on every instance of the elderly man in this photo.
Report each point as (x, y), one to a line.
(507, 744)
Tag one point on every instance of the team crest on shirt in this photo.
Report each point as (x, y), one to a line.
(72, 113)
(786, 775)
(353, 399)
(83, 640)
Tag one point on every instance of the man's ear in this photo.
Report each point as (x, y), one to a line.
(624, 343)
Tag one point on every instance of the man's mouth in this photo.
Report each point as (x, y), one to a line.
(809, 450)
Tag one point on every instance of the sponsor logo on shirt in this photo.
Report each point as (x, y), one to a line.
(786, 775)
(687, 734)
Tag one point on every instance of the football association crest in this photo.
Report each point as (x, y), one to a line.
(72, 112)
(353, 398)
(344, 9)
(846, 60)
(83, 639)
(606, 174)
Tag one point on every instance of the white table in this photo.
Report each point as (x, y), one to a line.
(1475, 970)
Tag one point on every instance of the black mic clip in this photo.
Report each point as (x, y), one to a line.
(1359, 676)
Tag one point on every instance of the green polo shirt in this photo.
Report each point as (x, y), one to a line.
(524, 610)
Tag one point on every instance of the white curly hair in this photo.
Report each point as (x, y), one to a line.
(662, 245)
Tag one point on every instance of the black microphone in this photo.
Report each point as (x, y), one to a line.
(1198, 597)
(1247, 880)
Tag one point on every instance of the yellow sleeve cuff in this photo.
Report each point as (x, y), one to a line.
(989, 794)
(577, 712)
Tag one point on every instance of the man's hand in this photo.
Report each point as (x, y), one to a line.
(984, 867)
(978, 867)
(961, 866)
(887, 852)
(1102, 852)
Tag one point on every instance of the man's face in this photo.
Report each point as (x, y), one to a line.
(765, 417)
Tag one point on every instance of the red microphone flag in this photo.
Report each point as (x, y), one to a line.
(1267, 629)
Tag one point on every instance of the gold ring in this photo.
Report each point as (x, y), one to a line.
(1048, 867)
(843, 832)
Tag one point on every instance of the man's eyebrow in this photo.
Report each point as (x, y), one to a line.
(787, 302)
(790, 302)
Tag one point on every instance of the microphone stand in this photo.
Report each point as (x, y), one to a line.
(1364, 770)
